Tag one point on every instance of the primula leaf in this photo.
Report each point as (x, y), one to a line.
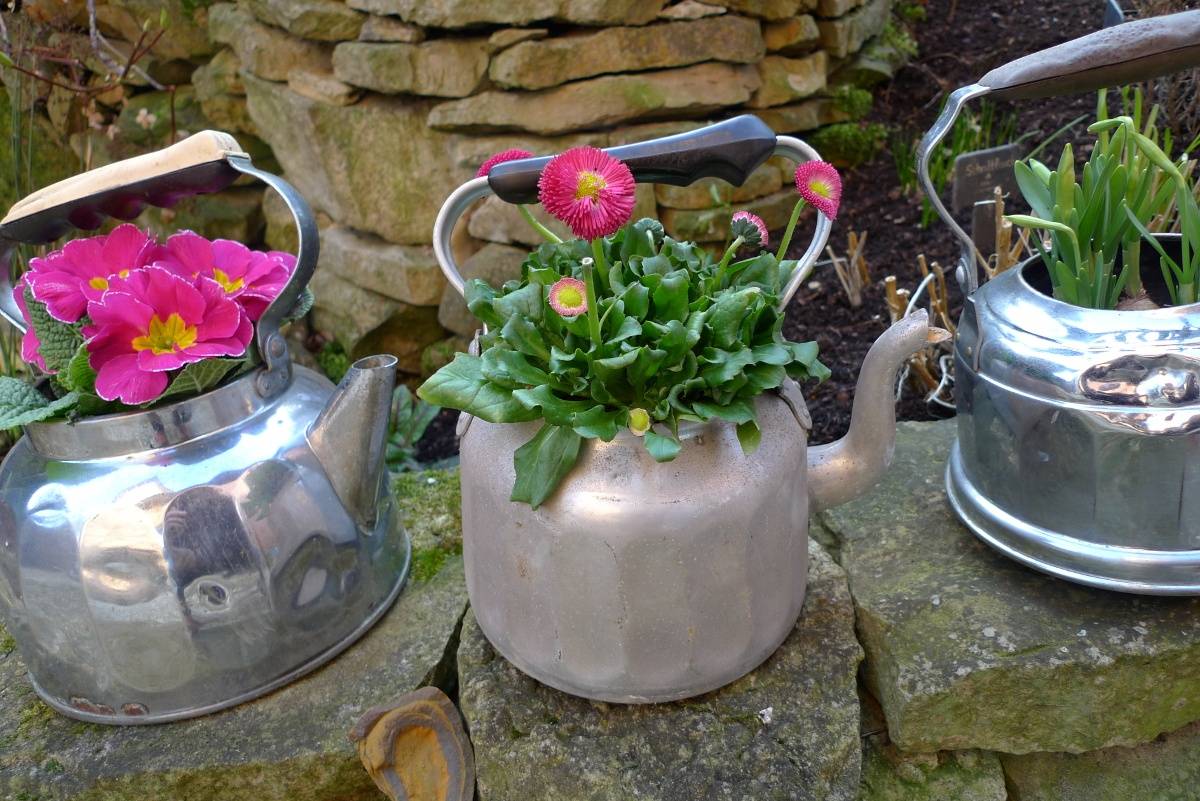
(59, 340)
(662, 448)
(79, 374)
(198, 377)
(543, 462)
(21, 404)
(461, 385)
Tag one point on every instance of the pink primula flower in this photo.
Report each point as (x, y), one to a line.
(504, 155)
(568, 297)
(589, 190)
(31, 346)
(252, 277)
(68, 279)
(818, 182)
(155, 321)
(758, 224)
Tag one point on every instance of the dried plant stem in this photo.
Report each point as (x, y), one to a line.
(852, 271)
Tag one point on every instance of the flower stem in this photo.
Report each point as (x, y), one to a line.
(601, 262)
(791, 227)
(546, 233)
(589, 281)
(737, 243)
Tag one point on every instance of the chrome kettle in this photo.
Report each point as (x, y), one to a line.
(166, 563)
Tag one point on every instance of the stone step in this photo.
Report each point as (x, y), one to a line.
(968, 649)
(790, 729)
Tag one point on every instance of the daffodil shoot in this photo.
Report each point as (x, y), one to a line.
(625, 331)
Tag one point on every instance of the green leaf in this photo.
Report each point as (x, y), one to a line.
(79, 374)
(725, 317)
(512, 369)
(59, 340)
(739, 411)
(750, 436)
(557, 411)
(198, 377)
(526, 301)
(480, 298)
(21, 404)
(525, 337)
(662, 448)
(461, 385)
(597, 422)
(543, 462)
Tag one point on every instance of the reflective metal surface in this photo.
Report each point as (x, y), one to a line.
(1079, 436)
(642, 582)
(167, 563)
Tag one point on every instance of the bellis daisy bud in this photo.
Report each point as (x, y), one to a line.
(639, 422)
(750, 228)
(515, 154)
(818, 183)
(589, 190)
(568, 297)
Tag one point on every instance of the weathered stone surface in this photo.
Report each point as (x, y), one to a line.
(550, 62)
(466, 13)
(837, 8)
(344, 159)
(690, 9)
(390, 29)
(712, 225)
(265, 51)
(235, 213)
(803, 116)
(967, 649)
(1167, 769)
(847, 34)
(766, 9)
(787, 730)
(146, 118)
(507, 37)
(407, 273)
(323, 87)
(187, 38)
(405, 335)
(709, 192)
(784, 80)
(441, 353)
(876, 63)
(493, 263)
(889, 774)
(497, 221)
(323, 20)
(441, 68)
(346, 310)
(288, 746)
(599, 102)
(280, 229)
(791, 34)
(221, 94)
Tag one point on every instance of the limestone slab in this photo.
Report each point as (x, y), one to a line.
(1165, 770)
(495, 264)
(323, 87)
(690, 9)
(264, 50)
(373, 165)
(784, 80)
(346, 310)
(322, 20)
(600, 102)
(407, 273)
(765, 9)
(440, 68)
(389, 29)
(791, 34)
(468, 13)
(288, 746)
(806, 115)
(787, 730)
(846, 35)
(968, 649)
(553, 61)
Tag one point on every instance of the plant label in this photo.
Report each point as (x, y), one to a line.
(977, 173)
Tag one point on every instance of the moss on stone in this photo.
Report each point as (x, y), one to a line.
(46, 160)
(848, 144)
(431, 510)
(853, 101)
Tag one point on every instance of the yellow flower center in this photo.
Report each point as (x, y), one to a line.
(166, 337)
(570, 297)
(821, 188)
(228, 284)
(100, 283)
(590, 185)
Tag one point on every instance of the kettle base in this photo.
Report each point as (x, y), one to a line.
(1111, 567)
(74, 710)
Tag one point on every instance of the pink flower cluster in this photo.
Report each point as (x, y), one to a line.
(149, 308)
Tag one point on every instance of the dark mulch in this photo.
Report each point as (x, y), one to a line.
(954, 50)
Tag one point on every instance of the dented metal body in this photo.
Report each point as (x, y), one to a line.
(1079, 435)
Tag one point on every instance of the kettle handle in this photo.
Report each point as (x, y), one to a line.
(203, 163)
(729, 150)
(1130, 52)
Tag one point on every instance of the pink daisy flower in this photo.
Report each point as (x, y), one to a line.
(568, 297)
(156, 321)
(751, 225)
(589, 190)
(252, 277)
(68, 279)
(818, 182)
(514, 154)
(31, 346)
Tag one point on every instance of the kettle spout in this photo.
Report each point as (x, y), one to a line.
(842, 470)
(349, 437)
